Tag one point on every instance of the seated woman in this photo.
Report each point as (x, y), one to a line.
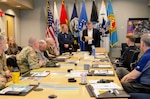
(12, 47)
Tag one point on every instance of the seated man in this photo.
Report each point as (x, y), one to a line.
(51, 48)
(40, 52)
(139, 77)
(27, 58)
(5, 74)
(130, 39)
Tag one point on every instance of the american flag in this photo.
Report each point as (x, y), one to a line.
(50, 25)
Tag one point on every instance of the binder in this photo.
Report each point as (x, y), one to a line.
(17, 89)
(108, 94)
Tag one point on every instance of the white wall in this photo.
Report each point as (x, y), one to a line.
(33, 21)
(16, 13)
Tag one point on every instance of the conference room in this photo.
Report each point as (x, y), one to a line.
(43, 19)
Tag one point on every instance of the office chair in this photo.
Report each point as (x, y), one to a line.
(139, 96)
(134, 59)
(131, 58)
(12, 61)
(123, 46)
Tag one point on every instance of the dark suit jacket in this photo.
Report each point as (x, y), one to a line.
(65, 40)
(96, 37)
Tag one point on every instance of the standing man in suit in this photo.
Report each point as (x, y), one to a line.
(65, 39)
(91, 37)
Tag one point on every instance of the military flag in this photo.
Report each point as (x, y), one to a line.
(63, 15)
(112, 25)
(82, 25)
(74, 26)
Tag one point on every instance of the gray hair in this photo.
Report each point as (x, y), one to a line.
(31, 41)
(49, 40)
(146, 39)
(42, 42)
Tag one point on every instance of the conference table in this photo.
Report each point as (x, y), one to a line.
(57, 82)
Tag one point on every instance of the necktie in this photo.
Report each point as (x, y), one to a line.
(65, 35)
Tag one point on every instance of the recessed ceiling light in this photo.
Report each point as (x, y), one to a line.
(4, 0)
(18, 6)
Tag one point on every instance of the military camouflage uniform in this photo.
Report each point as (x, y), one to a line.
(40, 55)
(27, 59)
(3, 68)
(50, 50)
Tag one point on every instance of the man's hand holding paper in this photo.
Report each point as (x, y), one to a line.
(88, 38)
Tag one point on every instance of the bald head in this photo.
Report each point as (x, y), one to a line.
(33, 42)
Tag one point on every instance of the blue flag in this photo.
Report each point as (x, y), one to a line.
(112, 25)
(82, 25)
(74, 27)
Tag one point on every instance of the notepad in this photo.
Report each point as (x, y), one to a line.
(75, 74)
(101, 66)
(103, 72)
(39, 73)
(17, 89)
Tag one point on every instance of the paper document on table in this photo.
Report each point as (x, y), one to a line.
(75, 73)
(101, 66)
(16, 88)
(39, 74)
(72, 61)
(105, 86)
(103, 72)
(100, 55)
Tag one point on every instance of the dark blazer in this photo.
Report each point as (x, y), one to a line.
(64, 39)
(96, 38)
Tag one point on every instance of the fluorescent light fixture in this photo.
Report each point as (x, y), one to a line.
(18, 6)
(4, 0)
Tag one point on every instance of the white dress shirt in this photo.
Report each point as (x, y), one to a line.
(90, 34)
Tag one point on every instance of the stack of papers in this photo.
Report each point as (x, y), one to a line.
(105, 86)
(72, 61)
(75, 74)
(101, 66)
(103, 72)
(39, 73)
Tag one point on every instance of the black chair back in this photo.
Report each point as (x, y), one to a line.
(132, 57)
(12, 61)
(123, 46)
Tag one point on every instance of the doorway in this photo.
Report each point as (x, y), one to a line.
(9, 25)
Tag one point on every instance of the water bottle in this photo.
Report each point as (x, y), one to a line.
(83, 78)
(15, 75)
(93, 50)
(70, 51)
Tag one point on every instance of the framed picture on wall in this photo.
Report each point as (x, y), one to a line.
(138, 26)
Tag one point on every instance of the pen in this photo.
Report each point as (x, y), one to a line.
(117, 91)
